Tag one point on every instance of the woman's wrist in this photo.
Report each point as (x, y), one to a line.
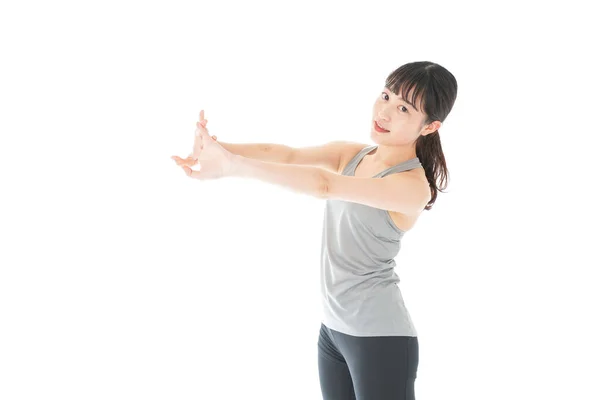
(236, 165)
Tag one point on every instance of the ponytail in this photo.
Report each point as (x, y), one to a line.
(430, 154)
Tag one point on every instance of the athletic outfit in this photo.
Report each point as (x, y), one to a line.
(368, 346)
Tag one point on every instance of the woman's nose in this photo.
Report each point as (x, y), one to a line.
(382, 115)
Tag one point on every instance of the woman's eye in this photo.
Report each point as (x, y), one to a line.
(386, 97)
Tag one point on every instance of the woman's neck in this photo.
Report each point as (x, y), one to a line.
(388, 156)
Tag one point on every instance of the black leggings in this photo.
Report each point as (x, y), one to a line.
(367, 368)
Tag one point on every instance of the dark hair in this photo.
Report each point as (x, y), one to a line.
(437, 88)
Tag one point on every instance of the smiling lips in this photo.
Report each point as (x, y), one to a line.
(379, 128)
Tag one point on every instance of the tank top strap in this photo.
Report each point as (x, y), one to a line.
(403, 166)
(356, 159)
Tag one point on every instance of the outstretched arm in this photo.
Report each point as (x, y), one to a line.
(397, 192)
(299, 178)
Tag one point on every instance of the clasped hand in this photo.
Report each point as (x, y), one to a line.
(213, 160)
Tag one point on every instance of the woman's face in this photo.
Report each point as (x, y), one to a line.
(402, 121)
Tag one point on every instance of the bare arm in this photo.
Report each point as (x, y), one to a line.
(327, 156)
(400, 193)
(270, 152)
(330, 156)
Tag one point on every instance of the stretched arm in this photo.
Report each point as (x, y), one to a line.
(299, 178)
(396, 192)
(271, 152)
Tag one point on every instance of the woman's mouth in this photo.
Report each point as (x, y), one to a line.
(378, 128)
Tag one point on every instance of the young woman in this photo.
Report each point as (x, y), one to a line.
(368, 346)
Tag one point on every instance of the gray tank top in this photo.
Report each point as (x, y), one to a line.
(359, 288)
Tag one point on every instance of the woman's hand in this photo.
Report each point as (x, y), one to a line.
(213, 160)
(192, 158)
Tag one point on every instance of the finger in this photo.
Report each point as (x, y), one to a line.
(203, 134)
(200, 125)
(190, 161)
(201, 115)
(191, 173)
(200, 129)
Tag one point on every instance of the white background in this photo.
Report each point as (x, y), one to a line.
(122, 278)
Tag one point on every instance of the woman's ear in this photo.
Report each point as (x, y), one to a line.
(432, 127)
